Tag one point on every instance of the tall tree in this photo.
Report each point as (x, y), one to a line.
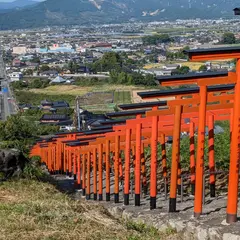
(156, 39)
(228, 38)
(110, 61)
(181, 70)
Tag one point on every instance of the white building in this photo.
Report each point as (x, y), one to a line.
(15, 76)
(171, 67)
(161, 58)
(20, 50)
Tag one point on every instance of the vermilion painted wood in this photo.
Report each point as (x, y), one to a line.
(211, 155)
(175, 158)
(209, 57)
(192, 156)
(163, 125)
(127, 167)
(200, 153)
(153, 173)
(100, 171)
(234, 155)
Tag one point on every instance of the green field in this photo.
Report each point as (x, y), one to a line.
(36, 98)
(122, 97)
(95, 102)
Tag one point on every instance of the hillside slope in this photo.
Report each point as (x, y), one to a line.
(32, 210)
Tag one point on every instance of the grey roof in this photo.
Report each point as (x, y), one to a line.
(213, 50)
(58, 79)
(60, 104)
(50, 72)
(60, 117)
(56, 104)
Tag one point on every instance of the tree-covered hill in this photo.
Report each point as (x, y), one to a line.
(62, 12)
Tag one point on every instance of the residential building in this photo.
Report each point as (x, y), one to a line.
(161, 58)
(50, 106)
(50, 73)
(171, 66)
(56, 119)
(16, 63)
(19, 50)
(16, 76)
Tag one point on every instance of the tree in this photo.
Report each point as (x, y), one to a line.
(36, 60)
(36, 83)
(28, 72)
(122, 78)
(19, 85)
(150, 80)
(113, 76)
(177, 55)
(19, 133)
(228, 38)
(15, 128)
(44, 68)
(181, 70)
(110, 61)
(202, 68)
(156, 39)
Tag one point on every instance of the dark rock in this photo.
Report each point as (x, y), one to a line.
(12, 163)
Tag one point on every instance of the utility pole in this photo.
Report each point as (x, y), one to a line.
(78, 115)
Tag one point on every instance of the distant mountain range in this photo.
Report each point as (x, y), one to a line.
(71, 12)
(17, 4)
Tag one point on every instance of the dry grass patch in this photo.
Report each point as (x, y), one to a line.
(32, 210)
(192, 65)
(79, 91)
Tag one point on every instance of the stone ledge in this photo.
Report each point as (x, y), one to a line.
(188, 228)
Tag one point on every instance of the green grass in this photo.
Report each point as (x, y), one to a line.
(33, 210)
(36, 98)
(122, 97)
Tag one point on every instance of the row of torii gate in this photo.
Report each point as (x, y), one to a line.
(119, 144)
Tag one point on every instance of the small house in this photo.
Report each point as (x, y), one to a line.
(171, 67)
(16, 76)
(49, 106)
(49, 73)
(24, 107)
(56, 119)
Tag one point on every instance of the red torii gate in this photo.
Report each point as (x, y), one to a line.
(171, 112)
(217, 54)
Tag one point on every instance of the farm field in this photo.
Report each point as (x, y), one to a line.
(191, 65)
(79, 90)
(94, 98)
(122, 97)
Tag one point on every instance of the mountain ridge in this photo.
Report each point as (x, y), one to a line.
(17, 4)
(73, 12)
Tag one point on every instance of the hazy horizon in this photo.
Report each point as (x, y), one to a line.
(15, 0)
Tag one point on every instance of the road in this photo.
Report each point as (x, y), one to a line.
(8, 104)
(101, 76)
